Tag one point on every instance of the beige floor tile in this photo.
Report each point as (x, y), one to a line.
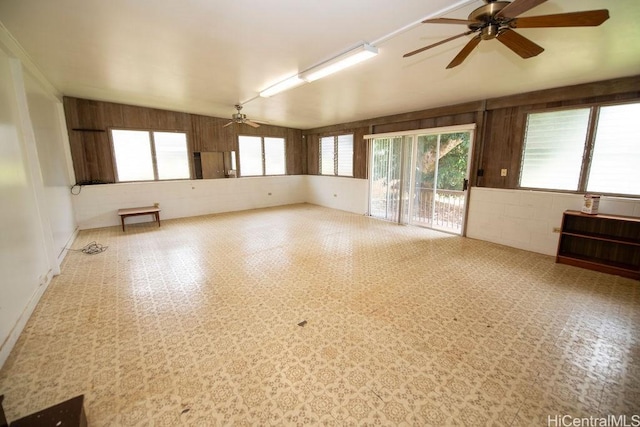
(197, 323)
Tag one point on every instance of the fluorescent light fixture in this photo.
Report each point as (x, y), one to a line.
(352, 57)
(282, 86)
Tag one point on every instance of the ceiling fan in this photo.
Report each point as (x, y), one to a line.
(498, 19)
(240, 118)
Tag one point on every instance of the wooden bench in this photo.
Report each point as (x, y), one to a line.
(148, 210)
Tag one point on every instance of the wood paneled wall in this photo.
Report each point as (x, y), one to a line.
(506, 120)
(499, 123)
(89, 122)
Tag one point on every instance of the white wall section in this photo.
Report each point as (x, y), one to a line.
(32, 247)
(525, 219)
(54, 156)
(345, 194)
(97, 205)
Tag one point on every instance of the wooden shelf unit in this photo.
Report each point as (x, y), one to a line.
(607, 243)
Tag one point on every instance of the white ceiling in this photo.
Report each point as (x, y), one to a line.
(204, 56)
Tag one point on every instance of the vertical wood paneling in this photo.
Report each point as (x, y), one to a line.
(360, 157)
(295, 151)
(500, 124)
(478, 145)
(135, 117)
(498, 145)
(313, 154)
(91, 151)
(112, 114)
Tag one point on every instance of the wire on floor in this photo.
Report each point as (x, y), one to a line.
(92, 248)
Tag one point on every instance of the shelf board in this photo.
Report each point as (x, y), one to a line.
(605, 243)
(603, 237)
(579, 260)
(604, 216)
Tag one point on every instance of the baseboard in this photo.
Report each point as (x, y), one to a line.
(63, 253)
(18, 327)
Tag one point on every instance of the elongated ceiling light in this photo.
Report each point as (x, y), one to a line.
(282, 86)
(340, 62)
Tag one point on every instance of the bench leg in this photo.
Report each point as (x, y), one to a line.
(122, 220)
(158, 218)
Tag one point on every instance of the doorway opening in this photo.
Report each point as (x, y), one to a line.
(421, 177)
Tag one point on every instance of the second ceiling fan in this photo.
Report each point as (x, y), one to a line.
(498, 19)
(241, 118)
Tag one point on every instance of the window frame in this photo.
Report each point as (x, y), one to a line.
(336, 159)
(152, 147)
(588, 147)
(263, 156)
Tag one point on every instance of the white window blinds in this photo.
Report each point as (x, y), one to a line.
(554, 146)
(336, 155)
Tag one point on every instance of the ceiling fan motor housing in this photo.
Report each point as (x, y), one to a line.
(239, 117)
(487, 23)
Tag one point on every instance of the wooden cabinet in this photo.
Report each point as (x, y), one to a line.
(607, 243)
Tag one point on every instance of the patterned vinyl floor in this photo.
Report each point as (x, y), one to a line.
(197, 323)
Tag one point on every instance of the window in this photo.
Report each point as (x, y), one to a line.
(554, 144)
(561, 154)
(261, 156)
(142, 155)
(336, 155)
(616, 152)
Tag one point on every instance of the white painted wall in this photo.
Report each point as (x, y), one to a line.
(47, 118)
(97, 205)
(346, 194)
(29, 255)
(525, 219)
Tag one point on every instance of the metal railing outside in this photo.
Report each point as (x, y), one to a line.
(446, 214)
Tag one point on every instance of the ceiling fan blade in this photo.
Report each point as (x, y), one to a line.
(518, 7)
(519, 44)
(448, 21)
(228, 124)
(422, 49)
(252, 124)
(466, 50)
(590, 18)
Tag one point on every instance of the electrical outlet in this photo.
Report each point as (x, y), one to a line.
(503, 172)
(556, 229)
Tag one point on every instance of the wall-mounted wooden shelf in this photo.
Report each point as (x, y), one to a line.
(607, 243)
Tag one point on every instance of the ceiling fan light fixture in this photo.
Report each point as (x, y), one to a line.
(340, 62)
(289, 83)
(489, 32)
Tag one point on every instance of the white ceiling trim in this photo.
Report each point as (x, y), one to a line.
(12, 48)
(428, 131)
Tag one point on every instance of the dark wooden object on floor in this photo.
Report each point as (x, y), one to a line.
(607, 243)
(148, 210)
(69, 413)
(3, 419)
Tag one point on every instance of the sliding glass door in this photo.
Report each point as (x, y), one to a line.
(386, 178)
(422, 178)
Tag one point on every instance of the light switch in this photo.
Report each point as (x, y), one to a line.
(503, 172)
